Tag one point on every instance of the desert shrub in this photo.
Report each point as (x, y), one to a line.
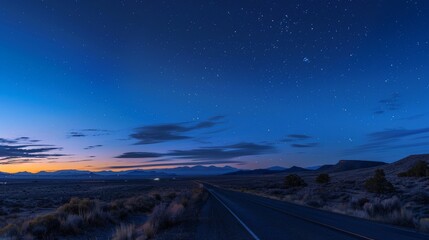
(293, 180)
(420, 169)
(424, 224)
(44, 226)
(156, 221)
(378, 183)
(92, 212)
(166, 215)
(125, 232)
(140, 204)
(163, 216)
(389, 210)
(71, 224)
(358, 203)
(323, 178)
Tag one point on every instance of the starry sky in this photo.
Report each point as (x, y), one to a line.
(119, 85)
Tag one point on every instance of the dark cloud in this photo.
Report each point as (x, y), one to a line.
(83, 160)
(17, 153)
(304, 145)
(391, 134)
(92, 147)
(390, 139)
(295, 138)
(140, 155)
(299, 136)
(207, 153)
(388, 104)
(173, 164)
(18, 140)
(7, 141)
(384, 146)
(92, 132)
(76, 134)
(171, 132)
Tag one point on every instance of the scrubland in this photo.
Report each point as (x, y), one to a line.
(105, 210)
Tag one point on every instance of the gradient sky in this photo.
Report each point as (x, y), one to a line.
(151, 84)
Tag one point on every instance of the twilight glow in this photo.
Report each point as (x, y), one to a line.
(155, 84)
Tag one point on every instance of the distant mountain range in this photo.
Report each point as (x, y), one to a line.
(346, 165)
(341, 166)
(270, 170)
(138, 173)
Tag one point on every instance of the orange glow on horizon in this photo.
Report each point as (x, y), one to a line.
(94, 166)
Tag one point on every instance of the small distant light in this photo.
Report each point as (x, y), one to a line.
(156, 179)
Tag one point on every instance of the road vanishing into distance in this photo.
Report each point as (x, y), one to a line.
(235, 215)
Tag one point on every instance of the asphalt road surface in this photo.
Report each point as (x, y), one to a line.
(235, 215)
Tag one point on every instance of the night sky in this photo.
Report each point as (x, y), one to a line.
(119, 85)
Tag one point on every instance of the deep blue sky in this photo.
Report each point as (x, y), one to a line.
(111, 84)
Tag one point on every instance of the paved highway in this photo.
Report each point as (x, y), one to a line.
(235, 215)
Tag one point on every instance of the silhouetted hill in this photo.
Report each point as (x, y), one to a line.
(267, 171)
(199, 170)
(276, 168)
(347, 165)
(406, 163)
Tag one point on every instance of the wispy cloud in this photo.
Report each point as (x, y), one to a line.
(390, 139)
(92, 147)
(173, 164)
(304, 145)
(295, 137)
(390, 134)
(9, 153)
(300, 141)
(24, 150)
(388, 104)
(207, 153)
(173, 131)
(92, 132)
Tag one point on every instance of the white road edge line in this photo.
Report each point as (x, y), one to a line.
(233, 214)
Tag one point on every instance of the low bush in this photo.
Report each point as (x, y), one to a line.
(379, 183)
(125, 232)
(293, 180)
(323, 178)
(420, 169)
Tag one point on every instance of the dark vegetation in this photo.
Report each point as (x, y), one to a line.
(294, 181)
(378, 183)
(323, 178)
(420, 169)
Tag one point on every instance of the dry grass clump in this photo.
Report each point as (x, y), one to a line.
(77, 215)
(127, 232)
(166, 215)
(424, 224)
(389, 210)
(122, 208)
